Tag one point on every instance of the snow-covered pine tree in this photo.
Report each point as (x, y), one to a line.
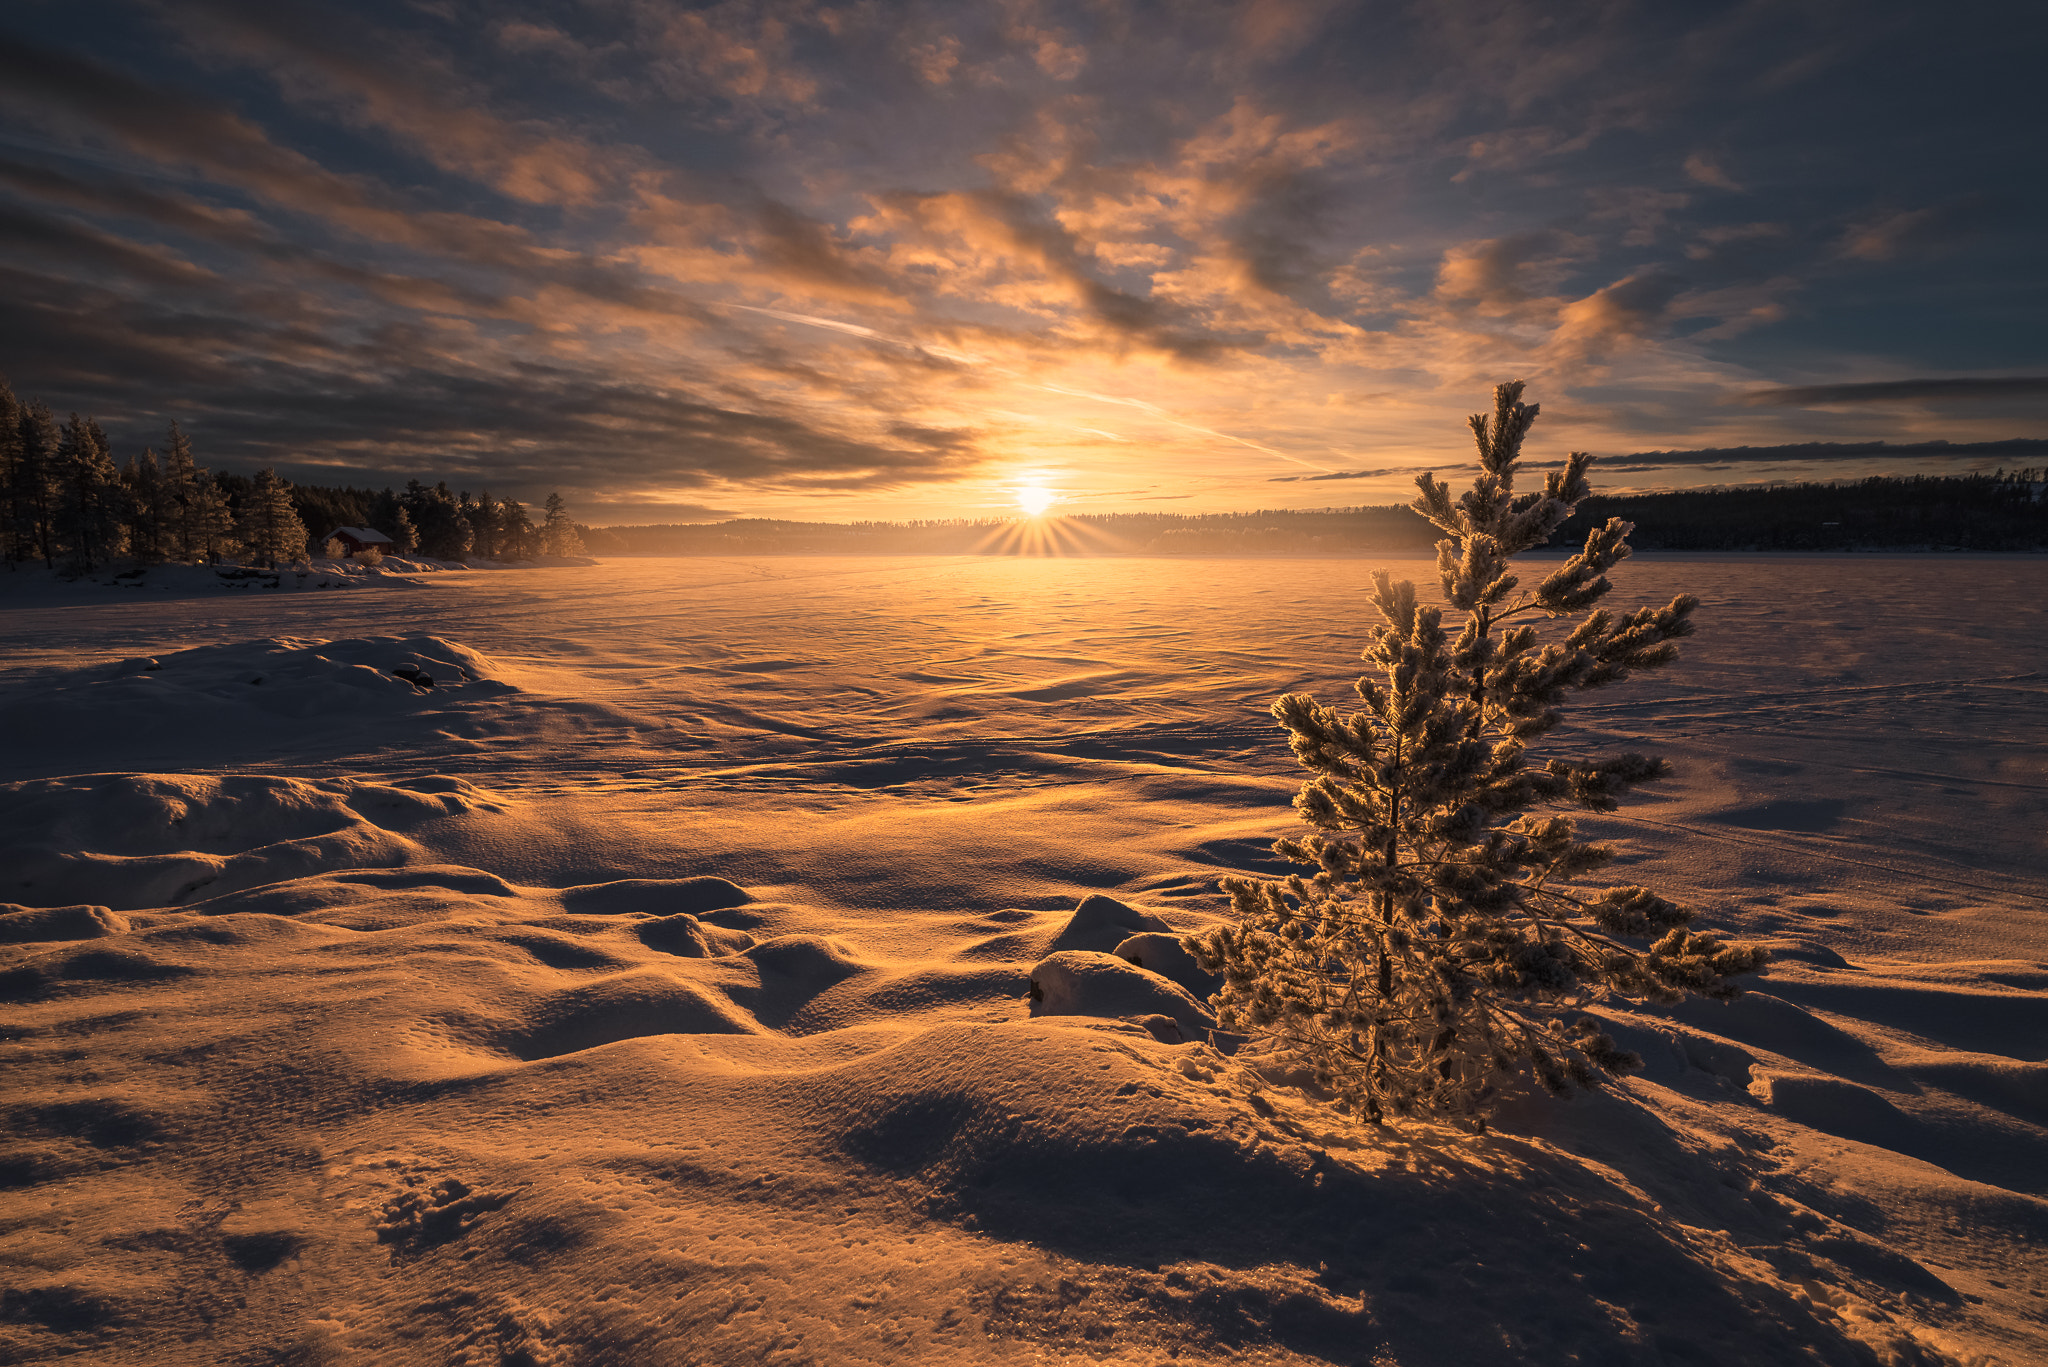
(182, 513)
(212, 520)
(93, 506)
(1442, 943)
(270, 529)
(37, 486)
(12, 523)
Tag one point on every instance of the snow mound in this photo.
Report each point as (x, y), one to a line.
(1102, 923)
(266, 696)
(1080, 983)
(24, 925)
(134, 841)
(1164, 954)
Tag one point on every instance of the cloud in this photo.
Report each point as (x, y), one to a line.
(1706, 170)
(314, 56)
(1644, 209)
(1962, 389)
(80, 244)
(182, 132)
(1623, 312)
(1915, 230)
(1349, 474)
(1498, 275)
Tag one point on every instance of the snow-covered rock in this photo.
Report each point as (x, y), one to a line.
(1162, 953)
(1075, 982)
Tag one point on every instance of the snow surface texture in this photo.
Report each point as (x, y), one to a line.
(775, 961)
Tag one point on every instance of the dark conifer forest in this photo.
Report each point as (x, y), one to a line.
(66, 503)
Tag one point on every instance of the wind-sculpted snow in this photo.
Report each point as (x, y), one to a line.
(712, 968)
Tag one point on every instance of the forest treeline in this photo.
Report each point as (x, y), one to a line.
(2002, 511)
(64, 502)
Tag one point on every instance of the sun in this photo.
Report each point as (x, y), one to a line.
(1034, 499)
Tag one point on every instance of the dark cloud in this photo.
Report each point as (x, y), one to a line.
(1903, 391)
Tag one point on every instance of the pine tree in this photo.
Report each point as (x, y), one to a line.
(557, 531)
(211, 520)
(180, 486)
(388, 515)
(442, 531)
(517, 538)
(482, 517)
(1441, 943)
(152, 508)
(91, 517)
(270, 529)
(12, 540)
(37, 484)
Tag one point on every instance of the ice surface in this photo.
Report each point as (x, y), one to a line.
(655, 986)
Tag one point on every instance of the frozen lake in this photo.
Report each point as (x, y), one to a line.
(850, 1141)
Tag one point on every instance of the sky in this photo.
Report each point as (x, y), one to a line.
(898, 260)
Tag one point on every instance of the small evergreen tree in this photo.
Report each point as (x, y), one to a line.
(270, 530)
(1440, 944)
(557, 531)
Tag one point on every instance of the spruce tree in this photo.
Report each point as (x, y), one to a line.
(270, 529)
(152, 511)
(181, 494)
(388, 515)
(1442, 942)
(442, 531)
(37, 484)
(557, 532)
(91, 517)
(212, 520)
(482, 517)
(517, 537)
(12, 524)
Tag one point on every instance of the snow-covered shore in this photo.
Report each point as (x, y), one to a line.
(649, 983)
(34, 583)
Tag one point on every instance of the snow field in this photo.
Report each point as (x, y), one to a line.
(659, 988)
